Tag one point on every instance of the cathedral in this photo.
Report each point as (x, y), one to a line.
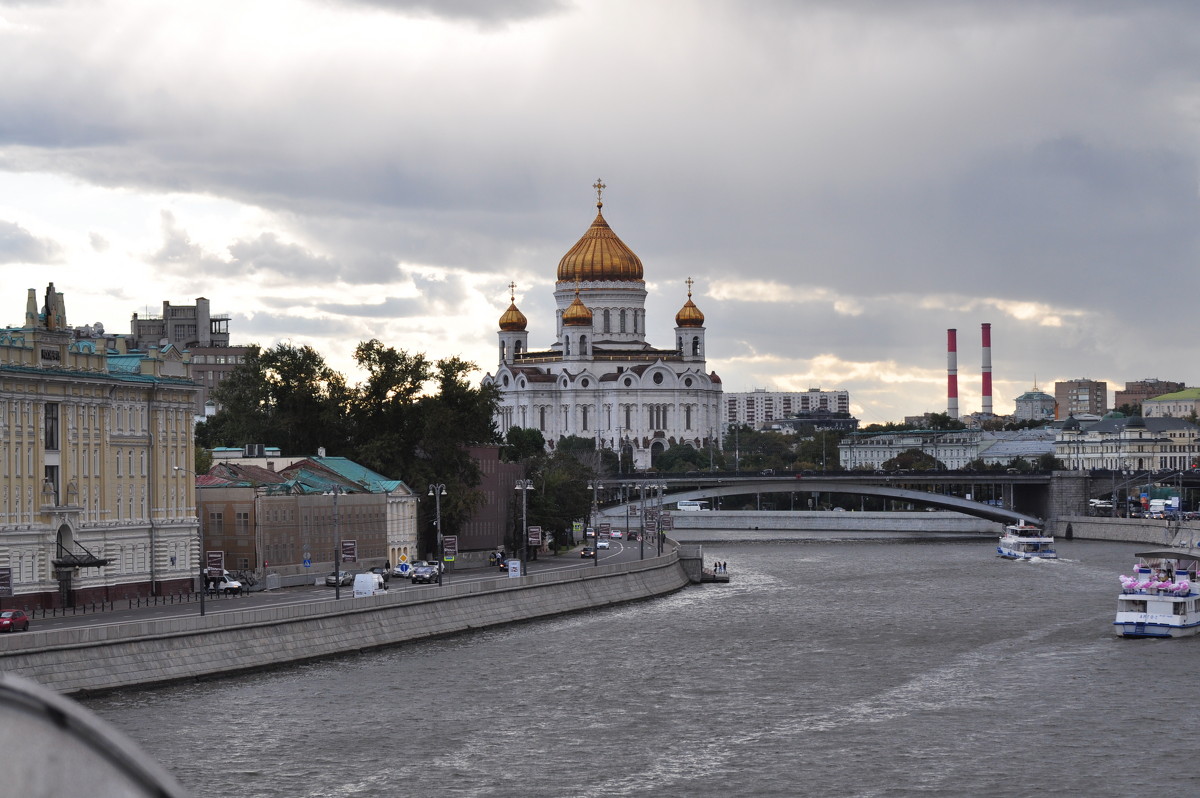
(600, 378)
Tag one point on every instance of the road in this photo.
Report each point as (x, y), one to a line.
(619, 551)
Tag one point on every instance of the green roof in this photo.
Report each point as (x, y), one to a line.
(1189, 394)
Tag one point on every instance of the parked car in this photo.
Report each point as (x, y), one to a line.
(384, 572)
(401, 570)
(425, 572)
(14, 621)
(587, 551)
(336, 578)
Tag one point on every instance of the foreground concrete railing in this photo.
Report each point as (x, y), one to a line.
(92, 659)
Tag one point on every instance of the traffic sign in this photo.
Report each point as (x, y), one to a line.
(307, 563)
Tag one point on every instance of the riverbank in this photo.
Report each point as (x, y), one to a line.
(112, 657)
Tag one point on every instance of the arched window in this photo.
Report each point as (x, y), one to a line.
(696, 345)
(585, 417)
(622, 320)
(607, 320)
(583, 350)
(567, 346)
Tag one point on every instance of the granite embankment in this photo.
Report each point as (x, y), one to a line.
(110, 657)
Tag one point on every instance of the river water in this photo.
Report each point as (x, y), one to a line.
(883, 668)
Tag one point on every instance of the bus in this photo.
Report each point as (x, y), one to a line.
(691, 506)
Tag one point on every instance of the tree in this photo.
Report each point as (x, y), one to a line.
(285, 396)
(682, 458)
(912, 460)
(522, 444)
(943, 421)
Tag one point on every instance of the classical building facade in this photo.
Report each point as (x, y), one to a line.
(92, 504)
(601, 378)
(1035, 405)
(1179, 404)
(1128, 444)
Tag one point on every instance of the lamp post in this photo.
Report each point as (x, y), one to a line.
(594, 486)
(199, 547)
(626, 490)
(437, 490)
(337, 546)
(524, 485)
(661, 489)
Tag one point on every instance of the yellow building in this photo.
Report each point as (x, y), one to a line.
(92, 505)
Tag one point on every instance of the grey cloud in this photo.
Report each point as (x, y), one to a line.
(481, 11)
(98, 242)
(18, 245)
(267, 253)
(179, 253)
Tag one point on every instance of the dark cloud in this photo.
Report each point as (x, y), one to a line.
(18, 245)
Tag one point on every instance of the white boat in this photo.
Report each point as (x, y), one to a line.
(1160, 599)
(1022, 541)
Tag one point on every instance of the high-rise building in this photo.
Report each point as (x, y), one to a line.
(1080, 397)
(760, 405)
(601, 378)
(203, 334)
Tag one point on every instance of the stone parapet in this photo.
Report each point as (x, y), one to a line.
(111, 657)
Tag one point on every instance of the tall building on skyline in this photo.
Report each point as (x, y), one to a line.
(601, 378)
(1080, 397)
(760, 405)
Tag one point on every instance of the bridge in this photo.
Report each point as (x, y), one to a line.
(1039, 498)
(1002, 497)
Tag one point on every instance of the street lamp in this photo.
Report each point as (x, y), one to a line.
(337, 546)
(661, 489)
(593, 486)
(437, 490)
(626, 490)
(524, 485)
(199, 547)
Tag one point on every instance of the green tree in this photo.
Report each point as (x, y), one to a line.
(912, 460)
(285, 396)
(522, 444)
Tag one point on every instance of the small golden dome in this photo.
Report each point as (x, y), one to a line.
(513, 320)
(577, 313)
(689, 315)
(599, 255)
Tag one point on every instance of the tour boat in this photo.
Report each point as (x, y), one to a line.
(1022, 541)
(1159, 600)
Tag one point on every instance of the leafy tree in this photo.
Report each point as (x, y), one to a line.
(682, 458)
(819, 452)
(1048, 462)
(943, 421)
(286, 396)
(912, 460)
(522, 444)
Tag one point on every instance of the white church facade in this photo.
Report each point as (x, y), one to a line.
(600, 378)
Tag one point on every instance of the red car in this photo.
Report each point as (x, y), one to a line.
(14, 621)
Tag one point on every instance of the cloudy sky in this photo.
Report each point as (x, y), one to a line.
(843, 180)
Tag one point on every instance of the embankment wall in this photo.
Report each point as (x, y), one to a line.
(110, 657)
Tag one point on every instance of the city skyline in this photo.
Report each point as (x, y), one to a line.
(843, 181)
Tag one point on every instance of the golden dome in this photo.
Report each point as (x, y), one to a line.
(600, 256)
(513, 320)
(577, 313)
(689, 315)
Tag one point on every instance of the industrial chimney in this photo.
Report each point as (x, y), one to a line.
(987, 369)
(952, 373)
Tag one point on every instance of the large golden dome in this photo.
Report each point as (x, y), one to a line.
(600, 256)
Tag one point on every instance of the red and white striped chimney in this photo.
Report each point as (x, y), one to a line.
(952, 373)
(987, 369)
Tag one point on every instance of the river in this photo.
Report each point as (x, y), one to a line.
(884, 668)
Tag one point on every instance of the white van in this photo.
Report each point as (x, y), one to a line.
(368, 585)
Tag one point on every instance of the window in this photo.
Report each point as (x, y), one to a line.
(51, 430)
(216, 524)
(242, 522)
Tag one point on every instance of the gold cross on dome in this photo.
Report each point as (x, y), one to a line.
(689, 282)
(512, 292)
(599, 186)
